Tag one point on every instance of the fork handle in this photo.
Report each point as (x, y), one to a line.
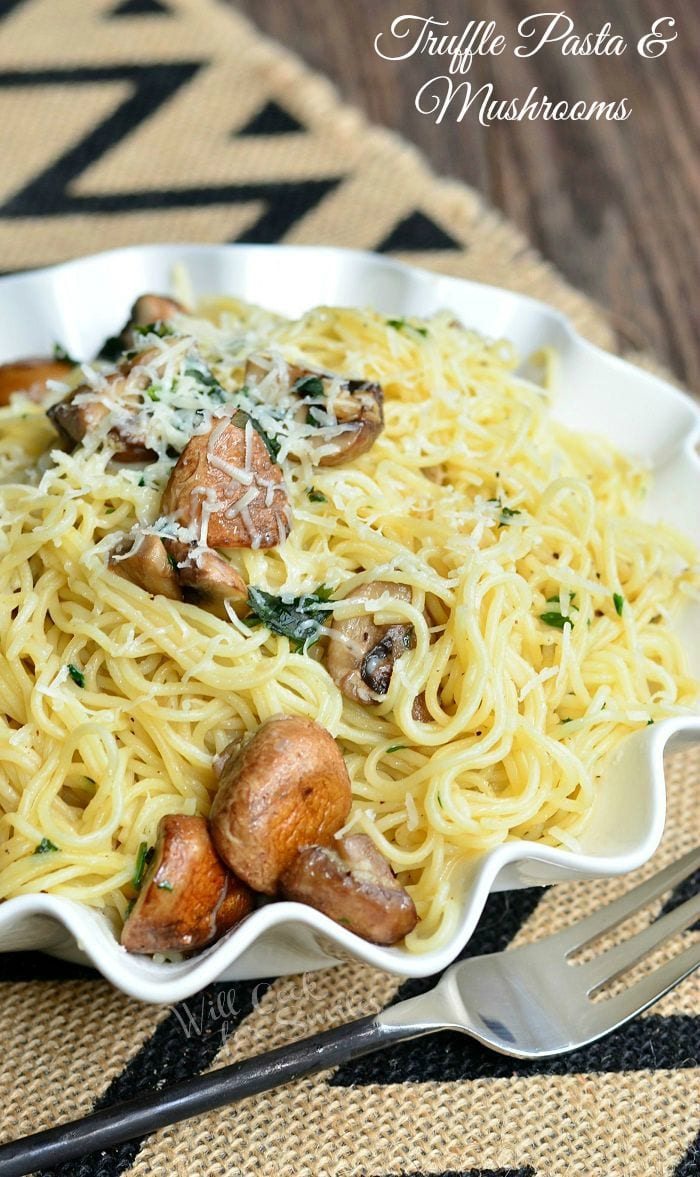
(145, 1113)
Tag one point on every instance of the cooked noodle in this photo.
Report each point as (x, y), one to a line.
(473, 496)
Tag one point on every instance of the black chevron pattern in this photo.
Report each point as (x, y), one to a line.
(49, 193)
(141, 8)
(183, 1045)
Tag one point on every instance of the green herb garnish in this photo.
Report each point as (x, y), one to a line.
(309, 386)
(557, 620)
(129, 908)
(312, 418)
(649, 722)
(619, 603)
(396, 748)
(160, 329)
(154, 392)
(45, 846)
(399, 324)
(60, 353)
(507, 513)
(164, 886)
(297, 618)
(77, 675)
(206, 380)
(143, 858)
(315, 495)
(142, 481)
(171, 560)
(271, 444)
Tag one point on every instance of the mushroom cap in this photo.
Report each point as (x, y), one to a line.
(352, 883)
(30, 376)
(148, 567)
(361, 660)
(209, 579)
(361, 411)
(187, 897)
(282, 788)
(206, 471)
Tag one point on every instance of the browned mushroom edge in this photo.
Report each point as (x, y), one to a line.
(31, 377)
(207, 578)
(360, 657)
(83, 409)
(228, 478)
(187, 898)
(352, 883)
(357, 406)
(282, 788)
(147, 566)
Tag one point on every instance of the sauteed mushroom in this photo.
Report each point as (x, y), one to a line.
(280, 789)
(30, 376)
(356, 404)
(360, 659)
(84, 408)
(148, 567)
(352, 883)
(210, 580)
(187, 898)
(227, 479)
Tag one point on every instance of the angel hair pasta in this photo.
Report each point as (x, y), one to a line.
(460, 590)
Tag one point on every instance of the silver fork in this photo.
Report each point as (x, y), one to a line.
(527, 1002)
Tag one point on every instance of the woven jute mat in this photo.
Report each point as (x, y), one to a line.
(126, 121)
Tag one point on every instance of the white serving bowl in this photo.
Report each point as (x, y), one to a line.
(81, 302)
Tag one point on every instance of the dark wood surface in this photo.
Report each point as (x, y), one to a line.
(614, 205)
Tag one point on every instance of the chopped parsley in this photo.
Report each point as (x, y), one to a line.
(556, 620)
(143, 857)
(315, 495)
(396, 748)
(399, 324)
(160, 329)
(297, 618)
(165, 886)
(171, 560)
(60, 353)
(206, 380)
(272, 445)
(619, 603)
(142, 481)
(154, 392)
(312, 418)
(77, 675)
(308, 386)
(506, 512)
(45, 846)
(649, 722)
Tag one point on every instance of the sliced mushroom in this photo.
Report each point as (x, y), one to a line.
(187, 898)
(227, 479)
(419, 710)
(360, 656)
(31, 376)
(210, 580)
(359, 409)
(148, 310)
(148, 567)
(281, 789)
(352, 883)
(84, 408)
(355, 404)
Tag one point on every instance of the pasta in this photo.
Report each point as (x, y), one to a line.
(539, 610)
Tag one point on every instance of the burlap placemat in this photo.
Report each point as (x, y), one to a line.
(129, 121)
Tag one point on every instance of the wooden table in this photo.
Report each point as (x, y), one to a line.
(614, 205)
